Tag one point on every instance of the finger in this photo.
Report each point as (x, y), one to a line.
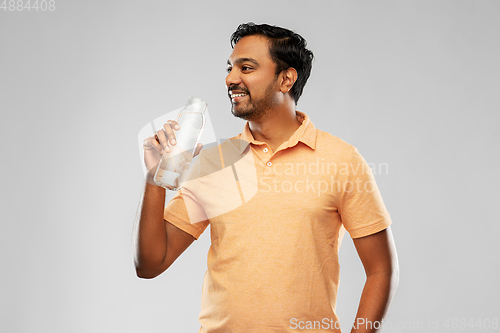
(163, 141)
(168, 128)
(155, 142)
(175, 125)
(199, 147)
(151, 143)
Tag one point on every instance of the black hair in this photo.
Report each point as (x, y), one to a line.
(287, 49)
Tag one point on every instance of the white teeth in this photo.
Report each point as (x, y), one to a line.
(237, 95)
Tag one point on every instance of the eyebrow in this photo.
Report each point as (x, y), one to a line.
(241, 60)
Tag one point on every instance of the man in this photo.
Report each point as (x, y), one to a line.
(273, 263)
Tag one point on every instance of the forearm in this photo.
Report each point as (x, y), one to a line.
(377, 295)
(150, 233)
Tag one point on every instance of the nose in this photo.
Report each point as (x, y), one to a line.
(232, 78)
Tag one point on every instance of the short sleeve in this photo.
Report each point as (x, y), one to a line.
(362, 210)
(182, 209)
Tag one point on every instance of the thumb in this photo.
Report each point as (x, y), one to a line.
(199, 147)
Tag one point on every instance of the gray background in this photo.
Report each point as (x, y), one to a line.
(414, 84)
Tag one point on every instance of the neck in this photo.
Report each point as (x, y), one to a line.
(276, 127)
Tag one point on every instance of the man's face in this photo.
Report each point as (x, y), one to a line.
(251, 81)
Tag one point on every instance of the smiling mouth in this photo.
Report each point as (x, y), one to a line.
(236, 97)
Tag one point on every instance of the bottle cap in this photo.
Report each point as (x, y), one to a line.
(194, 100)
(195, 104)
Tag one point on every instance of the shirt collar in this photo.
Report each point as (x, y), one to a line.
(306, 133)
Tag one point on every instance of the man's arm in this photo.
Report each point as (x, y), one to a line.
(157, 242)
(378, 255)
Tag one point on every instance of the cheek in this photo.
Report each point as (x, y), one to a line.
(254, 86)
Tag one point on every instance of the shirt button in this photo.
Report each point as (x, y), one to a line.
(266, 150)
(269, 163)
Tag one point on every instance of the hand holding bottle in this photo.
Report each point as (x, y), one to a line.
(163, 143)
(157, 144)
(165, 158)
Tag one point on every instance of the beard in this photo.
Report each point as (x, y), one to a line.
(255, 110)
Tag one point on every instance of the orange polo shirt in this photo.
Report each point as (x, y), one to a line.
(276, 223)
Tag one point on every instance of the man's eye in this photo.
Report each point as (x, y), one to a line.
(246, 68)
(229, 69)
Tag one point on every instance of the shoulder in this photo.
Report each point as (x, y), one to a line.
(331, 144)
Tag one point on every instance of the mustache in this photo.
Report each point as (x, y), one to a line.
(237, 88)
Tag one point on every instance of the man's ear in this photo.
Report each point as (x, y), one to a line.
(289, 76)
